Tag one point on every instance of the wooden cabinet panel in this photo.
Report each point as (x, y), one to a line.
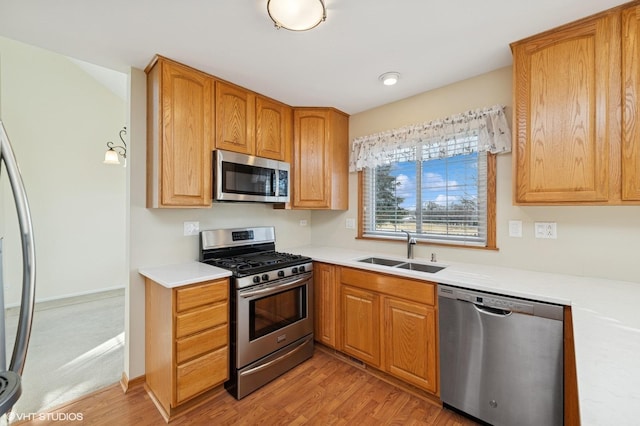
(631, 100)
(200, 374)
(389, 323)
(325, 287)
(410, 336)
(235, 118)
(418, 291)
(201, 294)
(180, 136)
(186, 341)
(566, 87)
(320, 159)
(361, 324)
(200, 319)
(200, 343)
(273, 129)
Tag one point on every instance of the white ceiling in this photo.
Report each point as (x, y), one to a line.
(336, 64)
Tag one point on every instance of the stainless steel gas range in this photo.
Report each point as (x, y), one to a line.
(271, 304)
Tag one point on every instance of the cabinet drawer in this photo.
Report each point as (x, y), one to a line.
(201, 319)
(197, 344)
(201, 374)
(415, 290)
(202, 294)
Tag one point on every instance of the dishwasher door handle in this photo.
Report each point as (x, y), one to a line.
(495, 312)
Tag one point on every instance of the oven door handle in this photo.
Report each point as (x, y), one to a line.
(275, 289)
(280, 358)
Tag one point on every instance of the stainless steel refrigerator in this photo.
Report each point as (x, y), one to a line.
(10, 378)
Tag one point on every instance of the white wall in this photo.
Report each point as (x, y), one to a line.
(59, 120)
(598, 241)
(156, 235)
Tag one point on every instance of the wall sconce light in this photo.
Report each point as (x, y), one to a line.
(296, 15)
(111, 156)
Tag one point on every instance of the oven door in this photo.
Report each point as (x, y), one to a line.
(271, 316)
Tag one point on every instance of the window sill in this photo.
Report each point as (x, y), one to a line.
(428, 243)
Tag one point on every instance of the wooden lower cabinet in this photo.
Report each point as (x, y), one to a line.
(389, 323)
(410, 342)
(361, 324)
(186, 342)
(326, 291)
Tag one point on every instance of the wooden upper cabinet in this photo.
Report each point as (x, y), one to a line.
(631, 99)
(576, 93)
(235, 118)
(180, 112)
(273, 129)
(320, 159)
(567, 94)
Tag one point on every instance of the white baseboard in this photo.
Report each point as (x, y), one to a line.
(68, 299)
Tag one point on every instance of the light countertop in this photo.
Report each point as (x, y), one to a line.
(606, 323)
(172, 276)
(606, 320)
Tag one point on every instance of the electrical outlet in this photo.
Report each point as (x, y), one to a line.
(546, 230)
(515, 228)
(350, 223)
(303, 222)
(191, 228)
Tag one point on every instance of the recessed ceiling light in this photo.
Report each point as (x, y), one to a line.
(389, 78)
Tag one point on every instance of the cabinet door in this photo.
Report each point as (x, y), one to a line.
(326, 303)
(201, 374)
(410, 342)
(361, 324)
(235, 120)
(631, 110)
(184, 142)
(312, 159)
(566, 85)
(273, 129)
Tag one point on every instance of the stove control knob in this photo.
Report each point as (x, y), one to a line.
(256, 279)
(281, 273)
(294, 270)
(265, 277)
(302, 268)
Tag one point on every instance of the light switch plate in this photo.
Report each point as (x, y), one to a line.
(350, 223)
(515, 228)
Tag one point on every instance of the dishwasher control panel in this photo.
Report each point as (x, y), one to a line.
(504, 303)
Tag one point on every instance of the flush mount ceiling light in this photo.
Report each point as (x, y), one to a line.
(389, 78)
(296, 15)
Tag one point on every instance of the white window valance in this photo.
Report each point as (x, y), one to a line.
(486, 129)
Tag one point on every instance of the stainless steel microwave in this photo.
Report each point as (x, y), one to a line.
(241, 177)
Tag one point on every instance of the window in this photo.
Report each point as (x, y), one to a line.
(434, 179)
(446, 198)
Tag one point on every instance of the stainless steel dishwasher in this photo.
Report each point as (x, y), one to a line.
(501, 358)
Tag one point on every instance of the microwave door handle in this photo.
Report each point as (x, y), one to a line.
(274, 182)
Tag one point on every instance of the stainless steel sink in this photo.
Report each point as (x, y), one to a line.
(381, 261)
(394, 263)
(420, 267)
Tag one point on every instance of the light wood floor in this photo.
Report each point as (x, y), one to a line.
(322, 391)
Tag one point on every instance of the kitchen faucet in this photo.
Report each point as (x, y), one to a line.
(411, 241)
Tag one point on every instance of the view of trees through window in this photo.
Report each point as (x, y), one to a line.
(439, 198)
